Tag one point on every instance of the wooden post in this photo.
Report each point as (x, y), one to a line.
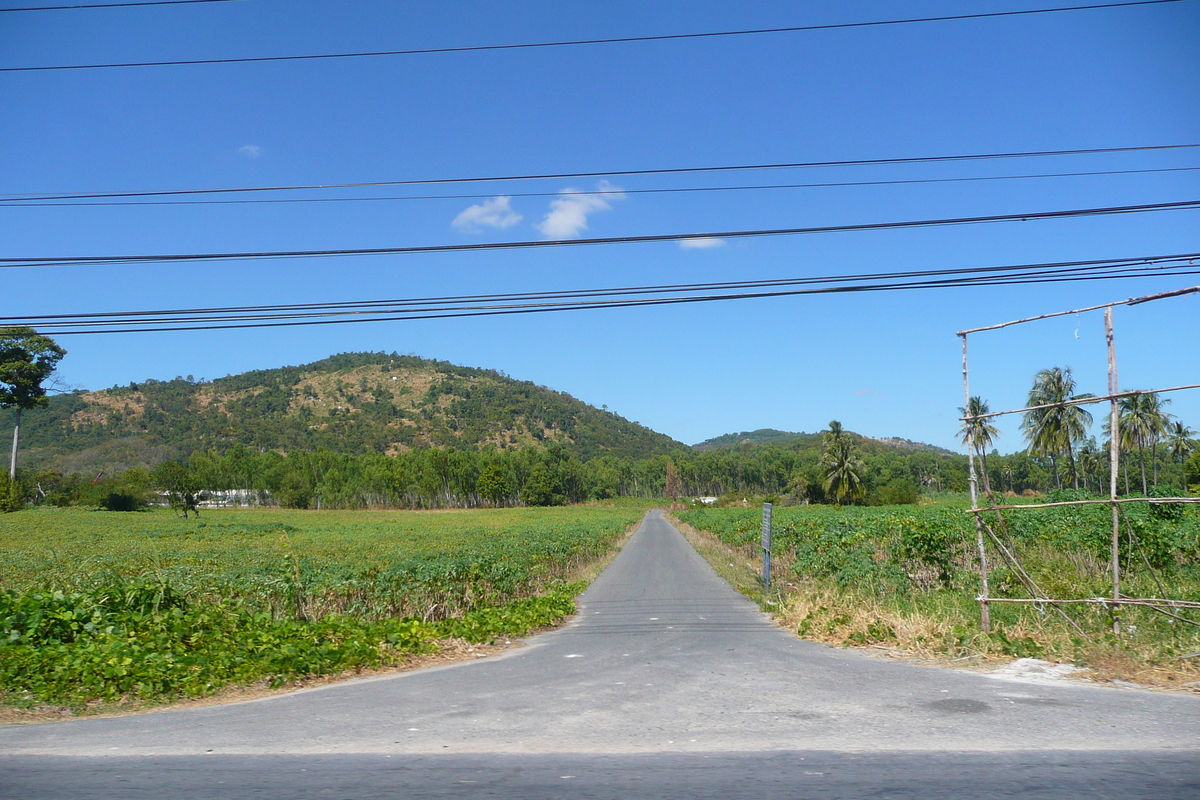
(766, 546)
(1114, 460)
(985, 616)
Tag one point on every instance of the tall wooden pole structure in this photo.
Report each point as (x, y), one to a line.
(985, 614)
(1114, 459)
(1113, 397)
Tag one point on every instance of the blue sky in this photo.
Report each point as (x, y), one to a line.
(884, 364)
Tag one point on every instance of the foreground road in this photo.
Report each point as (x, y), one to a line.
(668, 684)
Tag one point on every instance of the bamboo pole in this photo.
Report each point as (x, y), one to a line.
(985, 613)
(1133, 301)
(1083, 401)
(1114, 461)
(1107, 502)
(1099, 601)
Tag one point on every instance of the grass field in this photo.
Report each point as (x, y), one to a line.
(906, 577)
(107, 607)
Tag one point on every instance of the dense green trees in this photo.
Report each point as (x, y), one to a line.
(1055, 426)
(1143, 424)
(851, 469)
(27, 360)
(350, 459)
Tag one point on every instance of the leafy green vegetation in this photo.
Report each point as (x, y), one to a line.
(907, 577)
(148, 607)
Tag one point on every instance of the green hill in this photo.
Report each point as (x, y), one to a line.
(348, 403)
(760, 436)
(812, 440)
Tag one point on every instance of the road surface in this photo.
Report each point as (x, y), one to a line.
(667, 684)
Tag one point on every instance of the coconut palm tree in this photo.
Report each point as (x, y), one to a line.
(834, 434)
(844, 471)
(1008, 474)
(978, 433)
(1143, 423)
(1054, 430)
(1091, 459)
(1181, 445)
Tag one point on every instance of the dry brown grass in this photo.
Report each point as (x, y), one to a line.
(944, 636)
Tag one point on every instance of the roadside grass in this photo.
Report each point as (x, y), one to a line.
(102, 611)
(902, 579)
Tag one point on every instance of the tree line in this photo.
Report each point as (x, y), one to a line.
(1162, 450)
(841, 467)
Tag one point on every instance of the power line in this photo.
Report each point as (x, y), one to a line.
(1138, 262)
(519, 245)
(863, 162)
(620, 297)
(583, 42)
(116, 5)
(613, 192)
(541, 302)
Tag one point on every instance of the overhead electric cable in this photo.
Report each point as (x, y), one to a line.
(601, 192)
(1137, 262)
(519, 245)
(117, 5)
(633, 303)
(864, 162)
(598, 41)
(460, 310)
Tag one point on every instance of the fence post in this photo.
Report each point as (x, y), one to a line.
(766, 546)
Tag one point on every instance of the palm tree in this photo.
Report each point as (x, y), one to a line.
(1143, 423)
(1009, 474)
(1090, 460)
(834, 434)
(1181, 445)
(844, 471)
(978, 433)
(1052, 431)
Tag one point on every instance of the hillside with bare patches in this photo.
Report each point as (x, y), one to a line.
(350, 403)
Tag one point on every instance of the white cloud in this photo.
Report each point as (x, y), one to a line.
(569, 211)
(494, 213)
(701, 243)
(250, 150)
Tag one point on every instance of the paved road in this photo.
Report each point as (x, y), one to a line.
(668, 684)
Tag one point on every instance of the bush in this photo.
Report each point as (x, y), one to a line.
(121, 501)
(896, 492)
(11, 496)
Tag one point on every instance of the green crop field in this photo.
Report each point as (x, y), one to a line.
(907, 576)
(146, 606)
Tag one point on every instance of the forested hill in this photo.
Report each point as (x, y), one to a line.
(806, 441)
(760, 436)
(348, 403)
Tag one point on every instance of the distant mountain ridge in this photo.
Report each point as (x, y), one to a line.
(349, 403)
(773, 436)
(760, 436)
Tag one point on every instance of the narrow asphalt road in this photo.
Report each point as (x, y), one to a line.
(667, 684)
